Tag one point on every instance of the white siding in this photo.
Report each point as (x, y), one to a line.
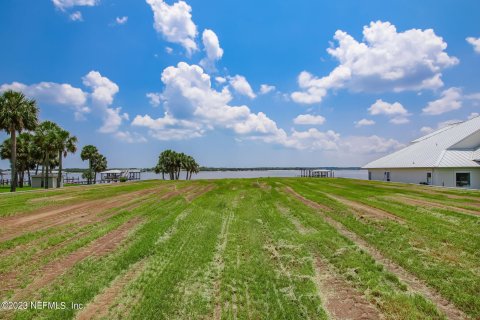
(445, 177)
(401, 175)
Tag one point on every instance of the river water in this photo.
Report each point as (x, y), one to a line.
(354, 174)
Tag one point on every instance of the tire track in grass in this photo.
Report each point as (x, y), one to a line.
(431, 204)
(17, 225)
(98, 248)
(339, 298)
(100, 306)
(414, 284)
(12, 280)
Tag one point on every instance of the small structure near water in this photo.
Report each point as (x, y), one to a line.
(38, 181)
(116, 175)
(316, 173)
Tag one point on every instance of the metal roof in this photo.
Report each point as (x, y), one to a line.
(439, 149)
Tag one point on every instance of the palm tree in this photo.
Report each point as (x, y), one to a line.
(65, 143)
(99, 163)
(45, 137)
(88, 153)
(17, 113)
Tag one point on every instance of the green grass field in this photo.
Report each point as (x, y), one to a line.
(283, 248)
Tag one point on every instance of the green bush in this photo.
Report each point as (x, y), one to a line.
(123, 179)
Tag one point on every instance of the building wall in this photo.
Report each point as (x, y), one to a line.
(52, 182)
(440, 176)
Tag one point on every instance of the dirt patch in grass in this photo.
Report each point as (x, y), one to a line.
(367, 211)
(48, 199)
(430, 204)
(100, 306)
(98, 248)
(198, 192)
(339, 298)
(414, 284)
(178, 192)
(262, 185)
(306, 201)
(83, 213)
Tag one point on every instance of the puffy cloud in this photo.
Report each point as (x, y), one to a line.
(220, 80)
(175, 23)
(397, 113)
(364, 123)
(450, 100)
(369, 145)
(475, 42)
(104, 90)
(154, 98)
(61, 94)
(309, 119)
(387, 60)
(121, 20)
(65, 4)
(112, 120)
(130, 137)
(265, 88)
(102, 96)
(212, 48)
(241, 86)
(76, 16)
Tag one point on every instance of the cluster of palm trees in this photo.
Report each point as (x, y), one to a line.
(173, 163)
(37, 144)
(96, 163)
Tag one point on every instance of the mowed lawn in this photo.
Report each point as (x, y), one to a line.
(280, 248)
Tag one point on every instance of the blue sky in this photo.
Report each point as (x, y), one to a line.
(344, 82)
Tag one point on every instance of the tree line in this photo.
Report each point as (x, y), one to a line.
(172, 163)
(33, 143)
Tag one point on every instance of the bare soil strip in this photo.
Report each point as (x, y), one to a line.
(86, 211)
(339, 298)
(199, 192)
(100, 306)
(178, 192)
(219, 265)
(368, 211)
(308, 202)
(98, 248)
(414, 284)
(424, 203)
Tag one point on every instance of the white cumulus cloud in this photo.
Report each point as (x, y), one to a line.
(60, 94)
(76, 16)
(475, 42)
(65, 4)
(212, 48)
(364, 123)
(154, 98)
(397, 113)
(175, 23)
(387, 60)
(450, 100)
(266, 89)
(241, 86)
(121, 20)
(309, 119)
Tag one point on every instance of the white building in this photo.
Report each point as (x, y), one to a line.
(448, 157)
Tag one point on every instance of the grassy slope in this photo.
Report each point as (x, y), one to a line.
(237, 251)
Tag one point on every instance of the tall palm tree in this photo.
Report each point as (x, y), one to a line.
(17, 113)
(65, 143)
(45, 137)
(99, 164)
(89, 153)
